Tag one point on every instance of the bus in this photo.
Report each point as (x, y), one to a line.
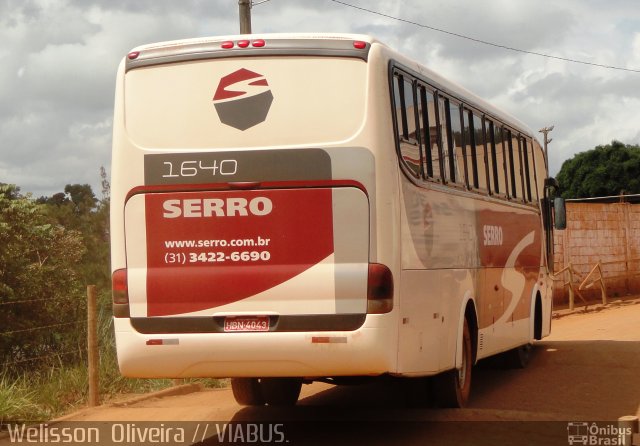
(290, 208)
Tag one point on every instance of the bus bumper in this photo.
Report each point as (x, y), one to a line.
(366, 351)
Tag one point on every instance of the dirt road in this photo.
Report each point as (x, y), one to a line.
(587, 371)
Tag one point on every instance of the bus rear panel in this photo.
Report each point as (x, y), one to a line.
(240, 220)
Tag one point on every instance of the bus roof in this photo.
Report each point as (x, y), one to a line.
(302, 44)
(267, 36)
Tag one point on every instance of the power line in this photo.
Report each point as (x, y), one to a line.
(485, 42)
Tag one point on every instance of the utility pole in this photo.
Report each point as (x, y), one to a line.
(547, 140)
(245, 16)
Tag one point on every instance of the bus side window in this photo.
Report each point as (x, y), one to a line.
(539, 168)
(429, 134)
(489, 137)
(519, 171)
(456, 148)
(501, 158)
(481, 151)
(444, 133)
(467, 121)
(478, 153)
(397, 103)
(511, 163)
(532, 170)
(406, 124)
(527, 169)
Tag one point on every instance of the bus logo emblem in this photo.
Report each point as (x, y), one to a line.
(242, 99)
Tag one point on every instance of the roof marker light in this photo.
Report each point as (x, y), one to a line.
(359, 44)
(133, 55)
(243, 43)
(227, 44)
(259, 43)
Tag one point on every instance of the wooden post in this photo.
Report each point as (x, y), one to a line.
(627, 244)
(245, 16)
(571, 296)
(603, 287)
(92, 346)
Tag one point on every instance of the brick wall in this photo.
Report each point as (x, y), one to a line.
(600, 232)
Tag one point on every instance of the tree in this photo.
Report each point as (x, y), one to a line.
(39, 284)
(79, 209)
(603, 171)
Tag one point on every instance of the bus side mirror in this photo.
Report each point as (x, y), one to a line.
(551, 183)
(559, 213)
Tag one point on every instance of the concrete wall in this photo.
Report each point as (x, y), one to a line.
(600, 232)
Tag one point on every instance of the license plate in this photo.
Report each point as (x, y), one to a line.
(252, 323)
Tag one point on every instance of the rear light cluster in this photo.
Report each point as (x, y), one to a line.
(256, 43)
(119, 287)
(379, 289)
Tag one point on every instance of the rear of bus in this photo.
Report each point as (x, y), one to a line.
(243, 211)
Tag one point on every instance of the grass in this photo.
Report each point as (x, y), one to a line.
(42, 394)
(17, 400)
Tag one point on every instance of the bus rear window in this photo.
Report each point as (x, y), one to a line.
(245, 102)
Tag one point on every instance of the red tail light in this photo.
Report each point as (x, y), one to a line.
(119, 289)
(379, 289)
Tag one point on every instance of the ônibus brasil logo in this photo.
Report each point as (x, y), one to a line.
(242, 99)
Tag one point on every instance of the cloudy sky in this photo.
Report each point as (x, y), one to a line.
(58, 60)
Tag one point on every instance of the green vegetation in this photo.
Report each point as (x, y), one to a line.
(50, 249)
(46, 392)
(603, 171)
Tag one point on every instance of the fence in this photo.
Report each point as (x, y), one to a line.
(599, 252)
(48, 338)
(42, 347)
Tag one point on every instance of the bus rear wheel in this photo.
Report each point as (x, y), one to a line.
(247, 391)
(452, 388)
(281, 391)
(518, 358)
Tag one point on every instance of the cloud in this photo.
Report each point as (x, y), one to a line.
(59, 58)
(57, 81)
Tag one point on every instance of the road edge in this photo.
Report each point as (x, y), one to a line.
(183, 389)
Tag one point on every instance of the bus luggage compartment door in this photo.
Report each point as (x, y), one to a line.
(268, 252)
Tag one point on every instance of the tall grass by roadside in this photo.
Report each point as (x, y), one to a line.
(43, 394)
(17, 400)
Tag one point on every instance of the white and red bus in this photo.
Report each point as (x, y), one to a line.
(291, 208)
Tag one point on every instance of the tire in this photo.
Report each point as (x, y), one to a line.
(537, 321)
(281, 391)
(247, 391)
(452, 388)
(517, 358)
